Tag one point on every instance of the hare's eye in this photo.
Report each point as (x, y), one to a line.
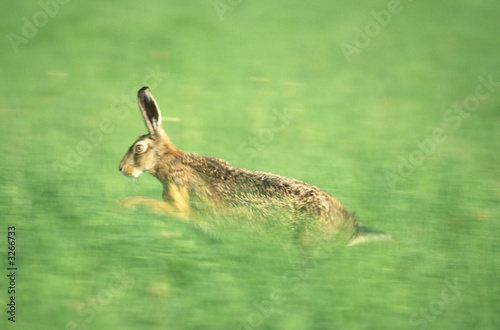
(140, 148)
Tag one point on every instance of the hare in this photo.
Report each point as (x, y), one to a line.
(203, 184)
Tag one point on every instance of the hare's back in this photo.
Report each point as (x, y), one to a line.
(220, 173)
(237, 186)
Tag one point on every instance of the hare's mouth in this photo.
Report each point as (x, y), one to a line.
(131, 171)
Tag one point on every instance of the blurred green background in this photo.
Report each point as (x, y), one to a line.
(388, 111)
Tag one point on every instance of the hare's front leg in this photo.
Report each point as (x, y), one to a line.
(158, 207)
(175, 202)
(178, 196)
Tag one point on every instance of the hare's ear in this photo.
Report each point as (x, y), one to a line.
(150, 111)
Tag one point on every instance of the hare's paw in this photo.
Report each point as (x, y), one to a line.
(156, 206)
(130, 203)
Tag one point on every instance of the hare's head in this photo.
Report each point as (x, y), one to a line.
(146, 152)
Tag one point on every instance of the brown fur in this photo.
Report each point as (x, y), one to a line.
(194, 184)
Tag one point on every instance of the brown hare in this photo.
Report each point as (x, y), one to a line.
(195, 184)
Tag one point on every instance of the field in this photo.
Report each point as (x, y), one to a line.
(390, 106)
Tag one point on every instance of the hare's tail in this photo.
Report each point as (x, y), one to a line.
(367, 234)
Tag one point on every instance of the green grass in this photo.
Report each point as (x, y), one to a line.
(82, 263)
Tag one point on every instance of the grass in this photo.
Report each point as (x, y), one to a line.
(69, 114)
